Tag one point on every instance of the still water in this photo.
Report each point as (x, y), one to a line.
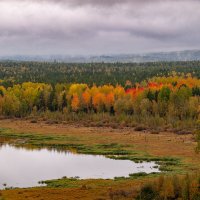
(20, 167)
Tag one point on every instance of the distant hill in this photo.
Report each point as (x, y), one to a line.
(188, 55)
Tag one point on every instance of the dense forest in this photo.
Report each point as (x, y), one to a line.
(89, 73)
(158, 102)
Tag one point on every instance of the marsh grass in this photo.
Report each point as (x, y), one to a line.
(110, 150)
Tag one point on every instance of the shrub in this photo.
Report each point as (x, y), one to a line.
(148, 193)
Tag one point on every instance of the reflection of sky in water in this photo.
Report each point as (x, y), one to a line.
(24, 168)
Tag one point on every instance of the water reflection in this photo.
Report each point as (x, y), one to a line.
(20, 167)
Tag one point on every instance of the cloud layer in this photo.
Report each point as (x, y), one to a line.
(98, 26)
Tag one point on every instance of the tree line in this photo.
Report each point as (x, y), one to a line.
(90, 73)
(163, 99)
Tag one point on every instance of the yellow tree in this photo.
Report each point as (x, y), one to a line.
(77, 89)
(11, 105)
(2, 90)
(119, 92)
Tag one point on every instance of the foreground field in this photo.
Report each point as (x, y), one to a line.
(106, 141)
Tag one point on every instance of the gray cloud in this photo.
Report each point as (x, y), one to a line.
(100, 2)
(98, 26)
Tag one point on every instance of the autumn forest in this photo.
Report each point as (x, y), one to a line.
(171, 100)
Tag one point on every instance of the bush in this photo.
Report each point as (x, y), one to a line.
(148, 193)
(140, 128)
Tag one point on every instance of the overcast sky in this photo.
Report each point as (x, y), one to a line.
(98, 26)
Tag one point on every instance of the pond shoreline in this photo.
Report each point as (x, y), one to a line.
(45, 164)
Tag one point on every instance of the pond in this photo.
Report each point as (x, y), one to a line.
(21, 167)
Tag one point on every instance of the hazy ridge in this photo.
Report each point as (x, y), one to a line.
(187, 55)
